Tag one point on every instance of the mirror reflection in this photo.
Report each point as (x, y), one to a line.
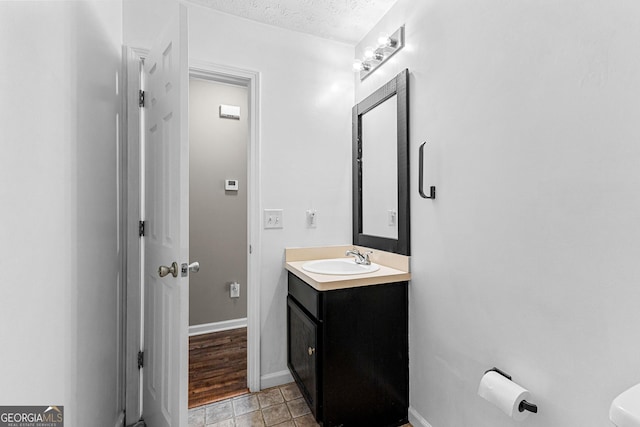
(380, 171)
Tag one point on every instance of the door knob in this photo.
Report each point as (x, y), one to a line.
(194, 267)
(164, 270)
(311, 350)
(185, 268)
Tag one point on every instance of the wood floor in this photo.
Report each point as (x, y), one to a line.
(217, 366)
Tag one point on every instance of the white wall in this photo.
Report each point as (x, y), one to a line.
(528, 258)
(58, 228)
(305, 137)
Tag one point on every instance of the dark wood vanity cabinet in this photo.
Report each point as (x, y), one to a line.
(348, 351)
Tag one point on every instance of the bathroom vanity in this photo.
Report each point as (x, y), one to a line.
(347, 345)
(347, 330)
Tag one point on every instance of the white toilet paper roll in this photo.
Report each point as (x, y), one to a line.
(503, 393)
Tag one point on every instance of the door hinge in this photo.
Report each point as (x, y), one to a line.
(141, 228)
(141, 98)
(140, 359)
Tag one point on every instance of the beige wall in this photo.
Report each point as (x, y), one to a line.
(217, 218)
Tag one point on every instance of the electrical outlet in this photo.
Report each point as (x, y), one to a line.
(273, 218)
(393, 217)
(311, 218)
(234, 290)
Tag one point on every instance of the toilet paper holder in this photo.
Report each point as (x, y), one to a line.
(524, 405)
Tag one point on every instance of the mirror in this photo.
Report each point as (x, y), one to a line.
(380, 135)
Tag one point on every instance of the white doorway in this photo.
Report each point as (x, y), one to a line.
(218, 240)
(250, 79)
(135, 300)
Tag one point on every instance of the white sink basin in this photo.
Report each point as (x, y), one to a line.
(625, 409)
(339, 266)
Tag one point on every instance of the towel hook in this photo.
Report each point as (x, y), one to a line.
(432, 190)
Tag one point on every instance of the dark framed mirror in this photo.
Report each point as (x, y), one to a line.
(380, 138)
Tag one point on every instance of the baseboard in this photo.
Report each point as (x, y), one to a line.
(275, 379)
(416, 419)
(225, 325)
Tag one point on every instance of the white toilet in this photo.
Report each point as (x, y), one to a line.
(625, 409)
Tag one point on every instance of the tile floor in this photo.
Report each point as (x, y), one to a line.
(281, 406)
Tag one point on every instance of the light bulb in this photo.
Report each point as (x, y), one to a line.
(384, 40)
(359, 65)
(369, 53)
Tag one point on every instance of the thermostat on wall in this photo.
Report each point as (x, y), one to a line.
(231, 184)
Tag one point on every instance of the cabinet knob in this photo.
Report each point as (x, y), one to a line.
(311, 350)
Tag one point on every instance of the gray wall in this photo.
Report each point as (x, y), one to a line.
(217, 218)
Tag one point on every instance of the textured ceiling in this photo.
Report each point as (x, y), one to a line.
(343, 20)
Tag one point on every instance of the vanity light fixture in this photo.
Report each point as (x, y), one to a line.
(372, 58)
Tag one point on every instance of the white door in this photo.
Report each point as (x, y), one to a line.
(166, 228)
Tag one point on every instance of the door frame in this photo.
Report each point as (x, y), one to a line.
(134, 262)
(205, 70)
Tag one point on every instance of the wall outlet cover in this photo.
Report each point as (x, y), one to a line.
(311, 218)
(234, 290)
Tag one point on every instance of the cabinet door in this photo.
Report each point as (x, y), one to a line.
(302, 339)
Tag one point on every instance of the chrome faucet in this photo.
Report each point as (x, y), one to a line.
(360, 257)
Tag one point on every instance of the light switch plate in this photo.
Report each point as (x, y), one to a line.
(273, 218)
